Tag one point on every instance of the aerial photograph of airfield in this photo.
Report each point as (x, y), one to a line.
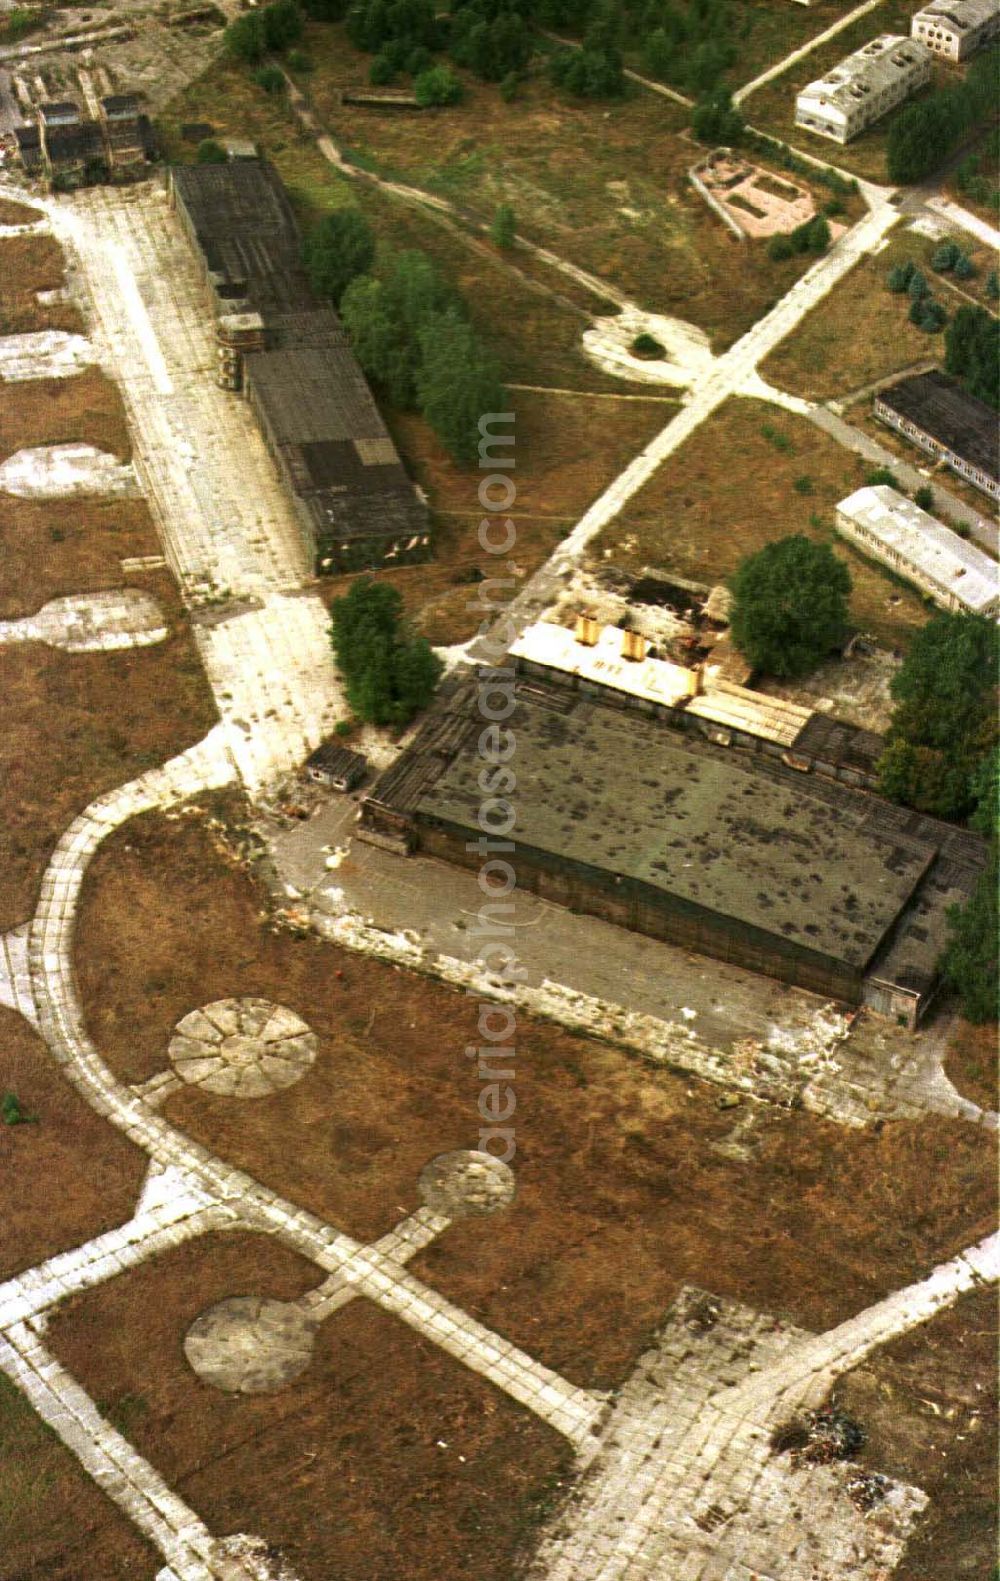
(499, 661)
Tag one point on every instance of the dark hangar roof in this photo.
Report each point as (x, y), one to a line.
(950, 415)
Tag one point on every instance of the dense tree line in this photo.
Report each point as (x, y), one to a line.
(944, 722)
(925, 132)
(972, 352)
(970, 961)
(411, 334)
(942, 757)
(690, 43)
(268, 30)
(389, 673)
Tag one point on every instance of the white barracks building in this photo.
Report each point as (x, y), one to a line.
(955, 29)
(864, 87)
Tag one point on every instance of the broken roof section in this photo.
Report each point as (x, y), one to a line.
(245, 228)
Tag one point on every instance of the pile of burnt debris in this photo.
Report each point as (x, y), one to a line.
(817, 1438)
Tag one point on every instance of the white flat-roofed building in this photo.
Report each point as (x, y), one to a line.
(955, 29)
(889, 527)
(864, 87)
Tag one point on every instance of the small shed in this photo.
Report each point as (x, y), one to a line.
(336, 766)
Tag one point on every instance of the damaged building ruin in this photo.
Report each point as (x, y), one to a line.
(736, 854)
(290, 356)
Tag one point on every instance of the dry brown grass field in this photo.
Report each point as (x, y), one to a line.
(860, 333)
(620, 1200)
(749, 475)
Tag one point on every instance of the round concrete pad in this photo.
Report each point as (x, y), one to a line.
(242, 1048)
(250, 1345)
(466, 1183)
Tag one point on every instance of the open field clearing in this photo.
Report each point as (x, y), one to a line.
(861, 332)
(385, 1458)
(55, 547)
(12, 213)
(928, 1403)
(972, 1063)
(768, 30)
(568, 450)
(79, 724)
(749, 475)
(86, 409)
(57, 1524)
(29, 264)
(68, 1176)
(531, 317)
(609, 186)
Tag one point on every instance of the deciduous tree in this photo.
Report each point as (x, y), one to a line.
(790, 605)
(945, 717)
(970, 959)
(389, 674)
(341, 247)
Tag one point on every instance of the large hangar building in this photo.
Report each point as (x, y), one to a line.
(734, 856)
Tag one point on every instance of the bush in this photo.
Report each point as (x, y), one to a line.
(381, 72)
(944, 720)
(775, 437)
(964, 267)
(457, 383)
(245, 38)
(282, 24)
(993, 285)
(646, 345)
(819, 236)
(812, 236)
(780, 248)
(419, 60)
(899, 277)
(970, 962)
(880, 477)
(918, 285)
(924, 497)
(503, 231)
(270, 78)
(509, 87)
(210, 152)
(945, 257)
(298, 60)
(588, 73)
(932, 317)
(972, 352)
(717, 120)
(437, 86)
(803, 485)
